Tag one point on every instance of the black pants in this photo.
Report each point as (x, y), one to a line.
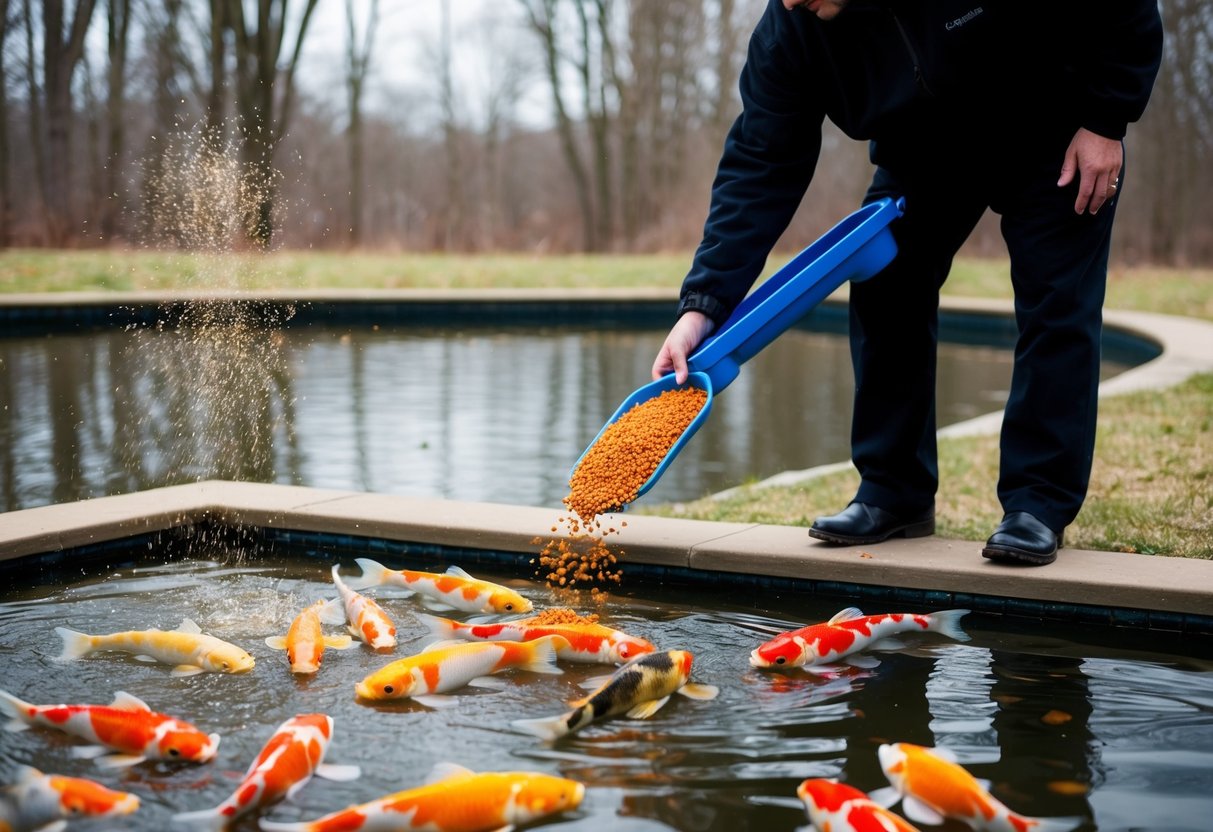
(1058, 272)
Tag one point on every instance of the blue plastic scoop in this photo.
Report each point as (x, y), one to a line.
(854, 249)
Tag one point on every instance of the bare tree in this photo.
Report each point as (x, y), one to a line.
(61, 52)
(265, 94)
(542, 16)
(118, 18)
(8, 20)
(357, 65)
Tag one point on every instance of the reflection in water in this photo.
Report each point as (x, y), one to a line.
(474, 415)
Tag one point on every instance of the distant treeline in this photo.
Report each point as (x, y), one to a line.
(184, 123)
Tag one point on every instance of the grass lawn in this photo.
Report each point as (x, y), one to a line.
(1152, 484)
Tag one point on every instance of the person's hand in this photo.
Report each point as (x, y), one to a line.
(1096, 160)
(687, 334)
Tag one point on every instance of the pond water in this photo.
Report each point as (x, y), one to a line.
(478, 414)
(1114, 727)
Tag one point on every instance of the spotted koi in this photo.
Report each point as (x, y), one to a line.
(305, 640)
(455, 589)
(367, 620)
(848, 632)
(838, 807)
(37, 801)
(592, 643)
(127, 726)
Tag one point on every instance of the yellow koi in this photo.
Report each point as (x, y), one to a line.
(187, 648)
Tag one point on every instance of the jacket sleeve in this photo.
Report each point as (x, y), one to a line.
(1117, 60)
(766, 166)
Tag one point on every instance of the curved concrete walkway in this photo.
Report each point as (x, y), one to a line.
(1169, 585)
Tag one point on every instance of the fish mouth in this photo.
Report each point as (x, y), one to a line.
(578, 795)
(757, 660)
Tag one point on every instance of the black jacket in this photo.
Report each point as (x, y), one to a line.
(929, 82)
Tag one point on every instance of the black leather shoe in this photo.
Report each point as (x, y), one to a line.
(1021, 538)
(866, 523)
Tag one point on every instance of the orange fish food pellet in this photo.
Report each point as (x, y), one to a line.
(629, 451)
(608, 478)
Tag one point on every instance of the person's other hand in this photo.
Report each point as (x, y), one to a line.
(1096, 160)
(687, 334)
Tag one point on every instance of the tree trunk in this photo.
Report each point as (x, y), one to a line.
(5, 199)
(358, 62)
(60, 58)
(119, 15)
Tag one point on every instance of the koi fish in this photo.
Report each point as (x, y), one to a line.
(587, 642)
(187, 647)
(127, 726)
(933, 787)
(850, 631)
(454, 799)
(287, 761)
(837, 807)
(367, 620)
(454, 590)
(305, 642)
(640, 688)
(447, 665)
(45, 802)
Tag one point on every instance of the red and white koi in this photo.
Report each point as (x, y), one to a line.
(837, 807)
(127, 726)
(448, 665)
(639, 689)
(286, 763)
(455, 589)
(589, 642)
(454, 799)
(849, 632)
(45, 802)
(933, 787)
(187, 648)
(305, 640)
(367, 620)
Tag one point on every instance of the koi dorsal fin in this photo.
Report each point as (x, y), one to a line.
(458, 573)
(187, 625)
(849, 614)
(128, 702)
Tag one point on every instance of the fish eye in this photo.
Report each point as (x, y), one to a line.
(173, 752)
(388, 688)
(509, 607)
(780, 660)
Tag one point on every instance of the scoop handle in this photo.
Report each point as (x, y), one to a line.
(855, 249)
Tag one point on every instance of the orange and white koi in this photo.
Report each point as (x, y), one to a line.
(837, 807)
(587, 642)
(447, 665)
(286, 763)
(455, 589)
(639, 689)
(454, 799)
(367, 620)
(305, 641)
(126, 726)
(848, 632)
(45, 802)
(187, 648)
(933, 787)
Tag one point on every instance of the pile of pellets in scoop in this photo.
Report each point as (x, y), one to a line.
(608, 478)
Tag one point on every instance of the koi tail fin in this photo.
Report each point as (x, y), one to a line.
(543, 657)
(16, 710)
(75, 645)
(947, 623)
(207, 819)
(548, 728)
(443, 629)
(373, 574)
